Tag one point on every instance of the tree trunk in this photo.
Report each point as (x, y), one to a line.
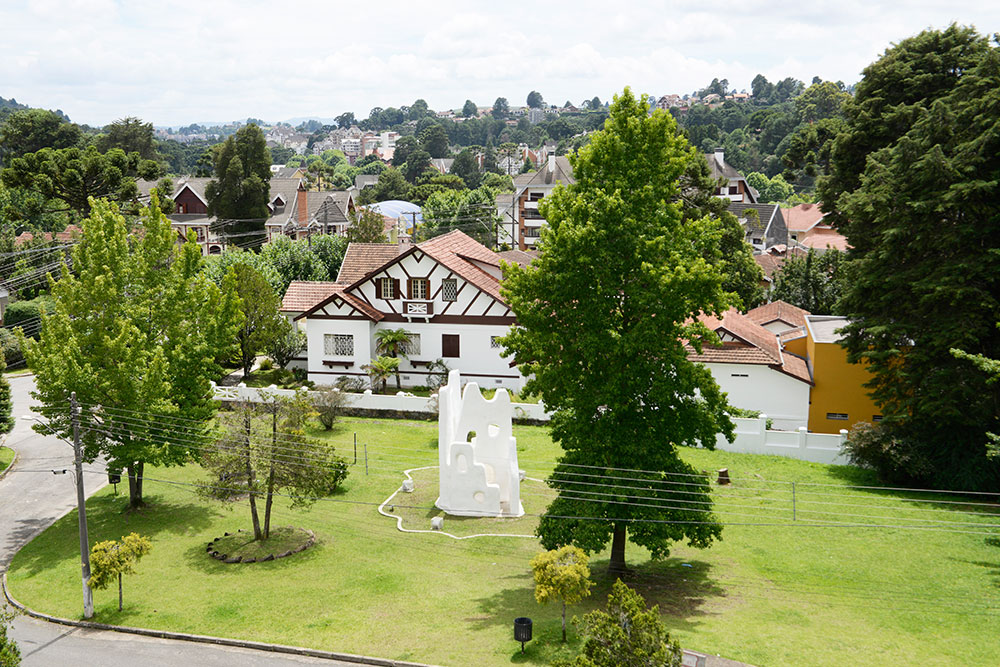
(120, 592)
(617, 565)
(270, 473)
(399, 386)
(564, 620)
(251, 481)
(135, 484)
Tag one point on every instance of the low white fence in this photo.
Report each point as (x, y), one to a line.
(400, 402)
(752, 436)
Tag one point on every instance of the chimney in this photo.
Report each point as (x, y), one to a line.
(552, 163)
(720, 157)
(301, 207)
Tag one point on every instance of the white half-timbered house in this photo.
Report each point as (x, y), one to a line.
(445, 292)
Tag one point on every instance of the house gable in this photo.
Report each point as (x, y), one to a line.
(425, 289)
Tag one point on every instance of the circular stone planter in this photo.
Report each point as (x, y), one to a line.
(221, 549)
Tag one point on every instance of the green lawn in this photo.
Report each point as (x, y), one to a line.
(766, 594)
(6, 457)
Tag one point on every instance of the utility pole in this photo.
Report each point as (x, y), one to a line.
(81, 508)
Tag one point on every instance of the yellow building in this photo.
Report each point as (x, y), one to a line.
(838, 399)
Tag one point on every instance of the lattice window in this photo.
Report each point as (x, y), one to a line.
(412, 348)
(449, 289)
(338, 345)
(495, 342)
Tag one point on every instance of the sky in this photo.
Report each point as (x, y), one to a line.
(179, 62)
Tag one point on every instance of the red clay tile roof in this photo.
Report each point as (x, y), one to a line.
(757, 345)
(521, 257)
(363, 258)
(821, 238)
(792, 334)
(72, 233)
(305, 294)
(802, 217)
(796, 367)
(769, 263)
(450, 250)
(778, 310)
(731, 352)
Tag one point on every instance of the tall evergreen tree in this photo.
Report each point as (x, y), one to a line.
(604, 313)
(925, 259)
(241, 187)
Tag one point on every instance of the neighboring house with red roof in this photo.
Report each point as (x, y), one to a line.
(70, 234)
(444, 291)
(755, 370)
(778, 316)
(807, 229)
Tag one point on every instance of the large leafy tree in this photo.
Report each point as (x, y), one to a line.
(814, 282)
(68, 178)
(925, 259)
(131, 135)
(261, 323)
(241, 187)
(136, 330)
(604, 313)
(30, 130)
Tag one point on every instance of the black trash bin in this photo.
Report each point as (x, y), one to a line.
(522, 630)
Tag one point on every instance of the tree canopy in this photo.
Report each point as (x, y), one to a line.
(925, 247)
(136, 329)
(30, 130)
(69, 178)
(603, 314)
(241, 187)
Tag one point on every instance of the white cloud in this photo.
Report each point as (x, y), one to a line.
(226, 59)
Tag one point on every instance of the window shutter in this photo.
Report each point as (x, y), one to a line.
(378, 288)
(449, 345)
(396, 294)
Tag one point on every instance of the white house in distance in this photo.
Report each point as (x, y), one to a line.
(444, 291)
(755, 370)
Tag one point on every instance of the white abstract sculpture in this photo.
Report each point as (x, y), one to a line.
(477, 452)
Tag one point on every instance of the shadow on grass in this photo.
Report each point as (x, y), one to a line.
(108, 519)
(680, 587)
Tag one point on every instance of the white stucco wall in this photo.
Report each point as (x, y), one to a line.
(757, 387)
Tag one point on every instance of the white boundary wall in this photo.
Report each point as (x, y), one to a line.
(752, 436)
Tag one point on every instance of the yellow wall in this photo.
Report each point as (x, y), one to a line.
(796, 346)
(838, 389)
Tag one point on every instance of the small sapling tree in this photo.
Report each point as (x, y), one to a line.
(626, 634)
(110, 560)
(561, 574)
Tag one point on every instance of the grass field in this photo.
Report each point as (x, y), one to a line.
(773, 592)
(6, 457)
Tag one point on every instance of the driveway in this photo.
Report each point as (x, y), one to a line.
(31, 499)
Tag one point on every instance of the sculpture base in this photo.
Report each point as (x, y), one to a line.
(482, 514)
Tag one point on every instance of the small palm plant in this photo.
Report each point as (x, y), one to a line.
(393, 343)
(380, 370)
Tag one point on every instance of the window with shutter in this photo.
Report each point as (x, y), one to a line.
(418, 288)
(449, 345)
(387, 287)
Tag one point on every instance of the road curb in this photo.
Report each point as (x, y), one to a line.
(3, 443)
(205, 639)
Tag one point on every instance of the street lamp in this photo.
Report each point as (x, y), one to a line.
(81, 508)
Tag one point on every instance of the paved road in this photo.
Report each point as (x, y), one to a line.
(31, 499)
